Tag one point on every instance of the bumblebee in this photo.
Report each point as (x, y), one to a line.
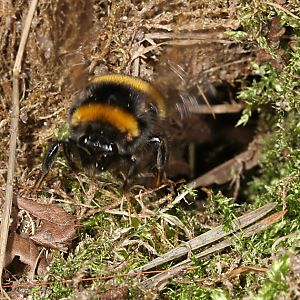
(115, 124)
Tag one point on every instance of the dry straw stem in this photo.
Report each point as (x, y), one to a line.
(218, 108)
(213, 235)
(13, 140)
(216, 37)
(278, 6)
(208, 238)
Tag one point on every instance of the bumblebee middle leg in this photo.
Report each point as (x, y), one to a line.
(162, 156)
(131, 171)
(159, 147)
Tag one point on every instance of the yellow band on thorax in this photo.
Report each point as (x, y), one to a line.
(118, 118)
(137, 84)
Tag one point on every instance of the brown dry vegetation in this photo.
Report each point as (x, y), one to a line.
(66, 42)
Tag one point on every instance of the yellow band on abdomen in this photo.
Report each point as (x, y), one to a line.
(118, 118)
(137, 84)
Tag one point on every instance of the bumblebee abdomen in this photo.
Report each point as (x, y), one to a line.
(126, 103)
(122, 120)
(135, 84)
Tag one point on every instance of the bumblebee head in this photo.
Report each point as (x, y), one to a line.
(98, 144)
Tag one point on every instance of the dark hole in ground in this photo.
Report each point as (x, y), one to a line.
(16, 267)
(214, 141)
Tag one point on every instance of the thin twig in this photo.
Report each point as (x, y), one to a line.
(228, 64)
(206, 101)
(225, 171)
(13, 141)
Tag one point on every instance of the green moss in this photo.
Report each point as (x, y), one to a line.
(62, 132)
(276, 285)
(225, 208)
(190, 291)
(280, 167)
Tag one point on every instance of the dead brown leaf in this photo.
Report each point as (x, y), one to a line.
(58, 228)
(276, 31)
(47, 212)
(115, 294)
(54, 236)
(27, 252)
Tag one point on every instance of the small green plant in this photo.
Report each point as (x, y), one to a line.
(224, 207)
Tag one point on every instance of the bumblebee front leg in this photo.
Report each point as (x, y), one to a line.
(48, 162)
(160, 148)
(68, 148)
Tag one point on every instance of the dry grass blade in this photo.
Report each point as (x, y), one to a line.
(13, 139)
(249, 231)
(243, 270)
(159, 280)
(278, 6)
(217, 109)
(216, 37)
(208, 238)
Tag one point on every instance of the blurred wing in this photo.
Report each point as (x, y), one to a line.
(180, 84)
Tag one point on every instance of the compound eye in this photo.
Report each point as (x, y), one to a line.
(84, 140)
(153, 109)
